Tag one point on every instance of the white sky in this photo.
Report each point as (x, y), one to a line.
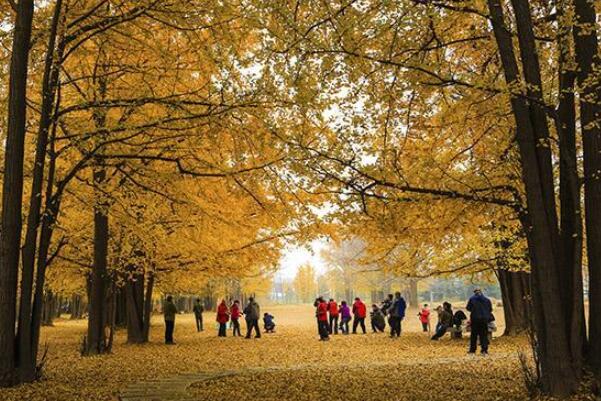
(294, 257)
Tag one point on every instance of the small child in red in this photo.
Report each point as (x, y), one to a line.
(424, 318)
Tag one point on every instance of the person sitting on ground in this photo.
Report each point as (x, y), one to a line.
(359, 314)
(424, 318)
(445, 320)
(458, 318)
(198, 309)
(345, 317)
(268, 323)
(377, 319)
(223, 316)
(169, 312)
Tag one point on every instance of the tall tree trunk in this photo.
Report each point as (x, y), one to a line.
(589, 87)
(121, 307)
(27, 359)
(49, 308)
(148, 306)
(570, 273)
(134, 290)
(540, 222)
(77, 307)
(12, 190)
(413, 296)
(96, 341)
(52, 206)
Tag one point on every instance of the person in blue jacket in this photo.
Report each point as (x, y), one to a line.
(397, 314)
(481, 314)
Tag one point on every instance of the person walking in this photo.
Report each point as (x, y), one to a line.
(322, 319)
(481, 314)
(223, 316)
(235, 314)
(333, 311)
(397, 314)
(424, 318)
(252, 312)
(345, 317)
(169, 312)
(198, 309)
(359, 313)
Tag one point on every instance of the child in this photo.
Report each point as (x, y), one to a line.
(377, 319)
(424, 318)
(268, 323)
(345, 316)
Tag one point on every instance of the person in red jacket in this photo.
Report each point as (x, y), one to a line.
(424, 318)
(333, 310)
(223, 316)
(359, 312)
(322, 319)
(235, 315)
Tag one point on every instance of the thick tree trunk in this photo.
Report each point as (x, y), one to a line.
(570, 273)
(589, 87)
(96, 340)
(413, 301)
(12, 190)
(49, 309)
(515, 291)
(559, 377)
(134, 290)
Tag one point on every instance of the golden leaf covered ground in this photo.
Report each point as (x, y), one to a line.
(290, 364)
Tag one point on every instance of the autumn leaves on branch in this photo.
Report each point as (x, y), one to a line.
(162, 145)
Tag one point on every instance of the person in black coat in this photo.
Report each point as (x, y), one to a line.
(481, 314)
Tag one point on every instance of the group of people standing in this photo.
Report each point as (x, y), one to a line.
(251, 312)
(225, 314)
(331, 316)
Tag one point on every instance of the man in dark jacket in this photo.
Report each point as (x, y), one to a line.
(397, 314)
(169, 312)
(252, 312)
(481, 314)
(386, 305)
(198, 309)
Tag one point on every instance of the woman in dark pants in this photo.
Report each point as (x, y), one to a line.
(223, 316)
